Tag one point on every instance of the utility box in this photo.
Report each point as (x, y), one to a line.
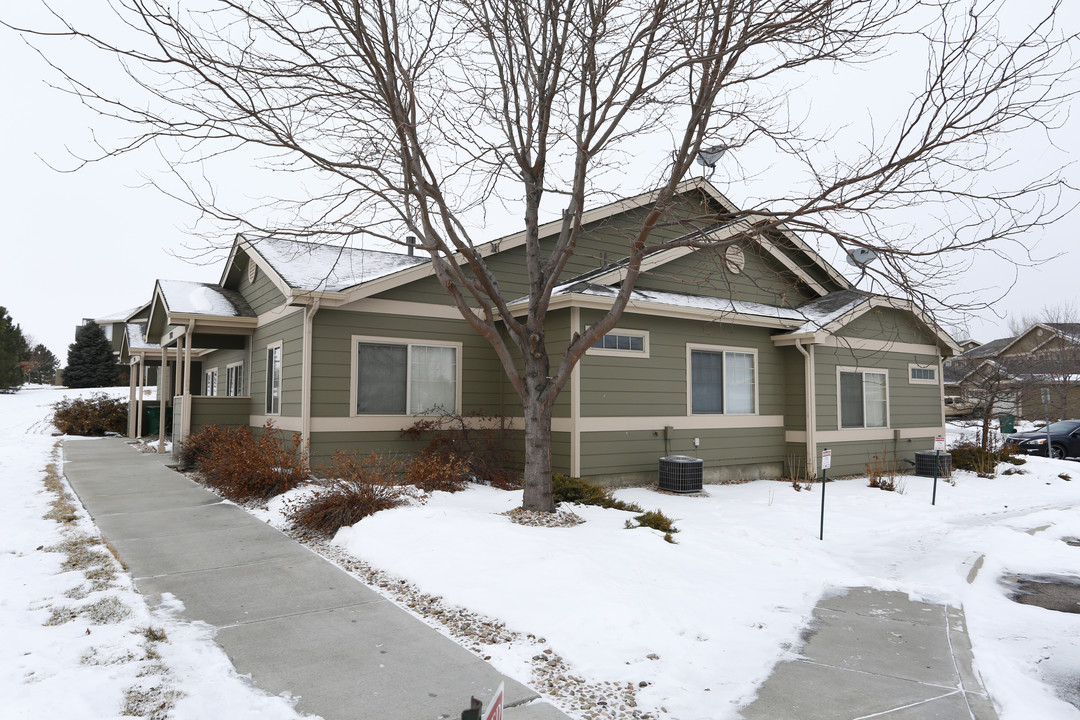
(924, 464)
(681, 473)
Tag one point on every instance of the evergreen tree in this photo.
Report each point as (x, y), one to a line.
(40, 365)
(90, 361)
(13, 351)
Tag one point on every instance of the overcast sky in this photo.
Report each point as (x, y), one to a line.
(91, 243)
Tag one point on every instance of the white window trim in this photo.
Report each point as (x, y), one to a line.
(839, 403)
(643, 353)
(240, 390)
(921, 381)
(266, 381)
(353, 379)
(690, 347)
(207, 375)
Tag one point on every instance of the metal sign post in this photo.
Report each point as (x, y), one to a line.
(939, 445)
(826, 463)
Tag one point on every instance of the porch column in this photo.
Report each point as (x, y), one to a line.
(185, 409)
(142, 392)
(133, 368)
(163, 391)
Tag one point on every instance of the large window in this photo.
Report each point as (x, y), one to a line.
(405, 378)
(234, 379)
(722, 381)
(864, 399)
(273, 380)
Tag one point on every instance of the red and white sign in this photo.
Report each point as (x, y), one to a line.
(495, 707)
(939, 442)
(826, 459)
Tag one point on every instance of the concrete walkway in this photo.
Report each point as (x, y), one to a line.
(874, 654)
(294, 621)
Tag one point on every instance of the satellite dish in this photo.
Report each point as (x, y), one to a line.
(710, 156)
(861, 257)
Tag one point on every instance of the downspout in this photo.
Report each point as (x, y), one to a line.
(811, 410)
(305, 388)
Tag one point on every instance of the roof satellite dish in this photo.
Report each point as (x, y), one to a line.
(708, 157)
(860, 257)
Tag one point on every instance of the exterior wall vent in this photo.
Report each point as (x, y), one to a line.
(924, 464)
(681, 474)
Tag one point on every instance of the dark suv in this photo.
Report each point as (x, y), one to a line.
(1064, 440)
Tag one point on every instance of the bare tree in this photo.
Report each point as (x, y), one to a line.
(412, 114)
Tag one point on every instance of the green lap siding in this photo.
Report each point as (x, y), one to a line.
(853, 458)
(232, 411)
(220, 360)
(290, 331)
(262, 295)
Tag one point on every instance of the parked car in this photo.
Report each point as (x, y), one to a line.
(958, 407)
(1064, 440)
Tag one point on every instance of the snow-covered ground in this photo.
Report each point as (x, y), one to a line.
(700, 622)
(78, 639)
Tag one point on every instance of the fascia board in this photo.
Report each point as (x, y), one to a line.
(790, 264)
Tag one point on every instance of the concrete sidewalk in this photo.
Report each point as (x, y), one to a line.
(294, 621)
(874, 654)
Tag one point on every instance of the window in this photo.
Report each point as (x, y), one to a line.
(211, 382)
(622, 342)
(405, 378)
(864, 399)
(722, 381)
(273, 379)
(922, 374)
(234, 380)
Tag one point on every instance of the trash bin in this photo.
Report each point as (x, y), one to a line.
(151, 420)
(1007, 424)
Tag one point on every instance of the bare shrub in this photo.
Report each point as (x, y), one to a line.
(481, 441)
(436, 469)
(884, 474)
(359, 486)
(244, 466)
(94, 415)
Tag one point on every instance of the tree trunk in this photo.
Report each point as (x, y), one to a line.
(537, 451)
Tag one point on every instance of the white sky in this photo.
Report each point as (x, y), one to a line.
(91, 243)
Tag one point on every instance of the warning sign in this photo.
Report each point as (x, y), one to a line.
(939, 442)
(495, 707)
(826, 459)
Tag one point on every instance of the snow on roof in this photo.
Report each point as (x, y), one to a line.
(699, 302)
(136, 337)
(195, 298)
(329, 268)
(988, 349)
(116, 317)
(824, 311)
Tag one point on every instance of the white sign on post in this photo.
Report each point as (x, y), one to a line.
(826, 459)
(939, 442)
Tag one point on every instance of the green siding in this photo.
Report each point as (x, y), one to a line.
(890, 325)
(221, 359)
(794, 381)
(289, 330)
(331, 363)
(262, 295)
(910, 405)
(852, 458)
(656, 386)
(219, 411)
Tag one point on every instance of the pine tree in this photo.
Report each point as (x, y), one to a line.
(90, 361)
(13, 351)
(40, 365)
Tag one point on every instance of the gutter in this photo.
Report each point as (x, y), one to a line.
(811, 409)
(305, 387)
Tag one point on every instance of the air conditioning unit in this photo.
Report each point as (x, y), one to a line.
(924, 464)
(681, 474)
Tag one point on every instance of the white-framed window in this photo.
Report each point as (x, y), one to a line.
(405, 377)
(922, 374)
(273, 379)
(622, 343)
(234, 379)
(863, 398)
(210, 382)
(721, 380)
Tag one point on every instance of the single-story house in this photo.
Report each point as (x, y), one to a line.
(754, 357)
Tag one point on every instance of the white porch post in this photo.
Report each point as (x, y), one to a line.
(141, 393)
(163, 391)
(133, 369)
(185, 409)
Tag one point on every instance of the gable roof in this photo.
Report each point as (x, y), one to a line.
(353, 273)
(183, 297)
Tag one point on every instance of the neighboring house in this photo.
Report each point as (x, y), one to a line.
(754, 359)
(114, 325)
(1010, 374)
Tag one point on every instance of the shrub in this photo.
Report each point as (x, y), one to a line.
(480, 441)
(95, 414)
(244, 466)
(581, 491)
(197, 446)
(882, 474)
(359, 487)
(656, 520)
(435, 469)
(969, 455)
